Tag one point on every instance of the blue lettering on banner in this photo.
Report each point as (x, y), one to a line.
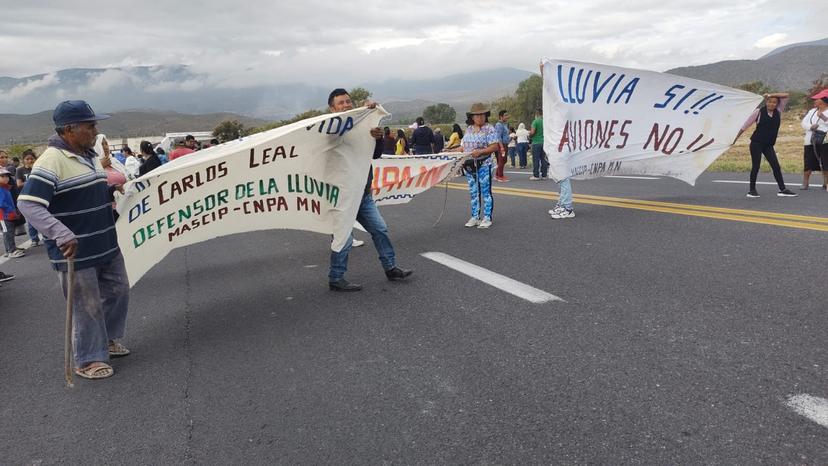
(697, 107)
(334, 125)
(581, 80)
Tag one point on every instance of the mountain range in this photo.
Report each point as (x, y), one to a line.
(37, 127)
(157, 99)
(789, 68)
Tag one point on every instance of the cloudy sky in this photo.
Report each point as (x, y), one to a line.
(319, 42)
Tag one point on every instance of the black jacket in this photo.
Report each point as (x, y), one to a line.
(377, 154)
(151, 163)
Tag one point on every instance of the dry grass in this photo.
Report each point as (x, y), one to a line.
(788, 148)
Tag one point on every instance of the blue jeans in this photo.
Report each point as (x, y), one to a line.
(480, 189)
(566, 194)
(512, 152)
(101, 299)
(369, 217)
(7, 227)
(522, 149)
(32, 232)
(539, 161)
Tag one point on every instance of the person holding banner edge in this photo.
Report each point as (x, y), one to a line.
(67, 199)
(368, 216)
(480, 141)
(767, 120)
(563, 209)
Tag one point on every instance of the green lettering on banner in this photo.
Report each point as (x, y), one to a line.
(334, 197)
(136, 241)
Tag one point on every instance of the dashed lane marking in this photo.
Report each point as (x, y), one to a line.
(812, 407)
(501, 282)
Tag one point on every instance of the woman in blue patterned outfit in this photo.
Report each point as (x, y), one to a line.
(480, 141)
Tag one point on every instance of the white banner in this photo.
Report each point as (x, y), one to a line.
(309, 175)
(603, 120)
(397, 179)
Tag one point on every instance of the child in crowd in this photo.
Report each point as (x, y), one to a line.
(8, 213)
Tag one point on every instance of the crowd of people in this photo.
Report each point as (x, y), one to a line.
(119, 167)
(65, 198)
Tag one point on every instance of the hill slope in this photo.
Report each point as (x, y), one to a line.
(791, 69)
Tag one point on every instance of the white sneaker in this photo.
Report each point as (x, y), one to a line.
(564, 213)
(473, 222)
(17, 253)
(534, 178)
(557, 209)
(486, 223)
(357, 243)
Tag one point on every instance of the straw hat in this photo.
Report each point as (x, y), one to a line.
(479, 109)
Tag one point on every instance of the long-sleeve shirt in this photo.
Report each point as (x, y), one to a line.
(151, 163)
(66, 198)
(132, 166)
(754, 116)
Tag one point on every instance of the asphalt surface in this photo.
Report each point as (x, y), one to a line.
(679, 341)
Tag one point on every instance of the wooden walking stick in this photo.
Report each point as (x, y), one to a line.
(68, 360)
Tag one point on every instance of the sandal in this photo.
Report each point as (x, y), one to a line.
(95, 370)
(117, 350)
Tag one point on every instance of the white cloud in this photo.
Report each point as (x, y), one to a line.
(27, 87)
(323, 42)
(168, 86)
(772, 41)
(392, 43)
(107, 80)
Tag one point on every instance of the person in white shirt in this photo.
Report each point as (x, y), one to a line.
(522, 135)
(132, 164)
(816, 155)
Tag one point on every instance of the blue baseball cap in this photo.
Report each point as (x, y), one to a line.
(74, 111)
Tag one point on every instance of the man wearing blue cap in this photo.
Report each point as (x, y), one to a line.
(66, 199)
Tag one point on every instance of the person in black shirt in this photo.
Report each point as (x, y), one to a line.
(767, 119)
(423, 138)
(149, 157)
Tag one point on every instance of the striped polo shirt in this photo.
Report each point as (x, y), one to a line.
(74, 190)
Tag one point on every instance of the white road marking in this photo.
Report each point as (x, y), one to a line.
(748, 182)
(504, 283)
(814, 408)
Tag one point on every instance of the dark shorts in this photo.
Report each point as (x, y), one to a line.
(811, 161)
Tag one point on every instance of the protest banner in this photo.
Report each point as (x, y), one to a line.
(603, 120)
(397, 179)
(309, 175)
